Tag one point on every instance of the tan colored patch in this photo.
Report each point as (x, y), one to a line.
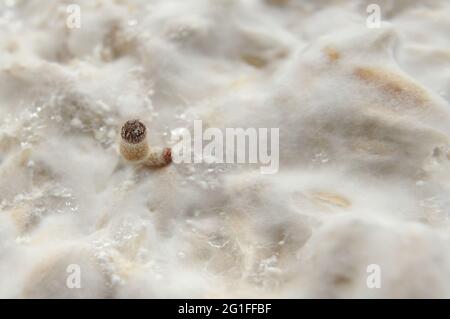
(365, 145)
(254, 60)
(392, 83)
(332, 198)
(277, 2)
(332, 54)
(24, 157)
(134, 152)
(47, 277)
(23, 219)
(103, 221)
(12, 47)
(240, 82)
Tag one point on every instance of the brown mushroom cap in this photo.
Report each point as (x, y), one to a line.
(133, 131)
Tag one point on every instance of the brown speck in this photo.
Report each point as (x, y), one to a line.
(133, 131)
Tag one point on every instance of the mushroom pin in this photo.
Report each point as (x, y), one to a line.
(134, 146)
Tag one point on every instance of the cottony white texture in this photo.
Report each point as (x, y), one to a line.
(364, 173)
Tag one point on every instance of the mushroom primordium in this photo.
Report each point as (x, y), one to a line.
(134, 146)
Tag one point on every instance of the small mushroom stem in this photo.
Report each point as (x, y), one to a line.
(134, 146)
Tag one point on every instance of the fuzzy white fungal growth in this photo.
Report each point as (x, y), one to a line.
(134, 146)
